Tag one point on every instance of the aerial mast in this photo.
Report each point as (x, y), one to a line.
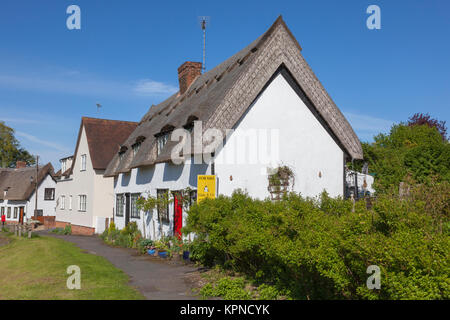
(204, 22)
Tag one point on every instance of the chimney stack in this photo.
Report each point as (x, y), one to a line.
(20, 164)
(187, 73)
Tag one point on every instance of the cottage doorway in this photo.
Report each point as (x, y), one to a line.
(127, 208)
(21, 215)
(177, 215)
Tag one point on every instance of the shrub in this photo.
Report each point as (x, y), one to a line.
(320, 249)
(227, 288)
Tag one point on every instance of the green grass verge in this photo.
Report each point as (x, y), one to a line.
(36, 269)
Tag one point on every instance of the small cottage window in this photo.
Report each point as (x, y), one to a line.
(83, 162)
(162, 140)
(82, 202)
(3, 210)
(62, 203)
(163, 210)
(119, 205)
(49, 194)
(15, 212)
(63, 166)
(136, 147)
(70, 202)
(134, 208)
(9, 213)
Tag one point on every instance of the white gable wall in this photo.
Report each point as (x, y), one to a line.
(304, 145)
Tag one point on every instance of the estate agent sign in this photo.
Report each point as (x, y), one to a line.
(206, 187)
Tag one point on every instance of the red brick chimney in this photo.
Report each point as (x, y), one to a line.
(187, 73)
(20, 164)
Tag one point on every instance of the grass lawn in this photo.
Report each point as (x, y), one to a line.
(36, 269)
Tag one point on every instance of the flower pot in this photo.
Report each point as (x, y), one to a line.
(163, 254)
(151, 252)
(186, 255)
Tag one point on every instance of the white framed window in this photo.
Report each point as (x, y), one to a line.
(162, 140)
(120, 202)
(70, 202)
(62, 202)
(15, 212)
(82, 198)
(83, 162)
(134, 209)
(136, 147)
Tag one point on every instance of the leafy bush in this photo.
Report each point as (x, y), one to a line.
(128, 237)
(227, 288)
(320, 249)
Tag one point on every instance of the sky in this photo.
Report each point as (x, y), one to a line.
(126, 54)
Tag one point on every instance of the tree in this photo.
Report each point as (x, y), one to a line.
(10, 149)
(422, 119)
(408, 150)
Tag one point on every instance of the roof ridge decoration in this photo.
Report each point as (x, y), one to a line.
(230, 89)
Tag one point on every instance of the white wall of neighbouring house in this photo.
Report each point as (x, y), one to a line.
(145, 181)
(98, 190)
(47, 206)
(304, 145)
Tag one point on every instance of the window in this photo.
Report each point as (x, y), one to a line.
(162, 140)
(63, 166)
(15, 212)
(119, 205)
(136, 147)
(82, 202)
(163, 210)
(70, 202)
(3, 210)
(121, 156)
(49, 194)
(62, 203)
(9, 213)
(83, 162)
(134, 209)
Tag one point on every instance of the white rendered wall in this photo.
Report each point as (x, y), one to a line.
(98, 189)
(304, 145)
(147, 180)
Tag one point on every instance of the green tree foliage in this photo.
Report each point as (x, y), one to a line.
(10, 150)
(321, 248)
(408, 150)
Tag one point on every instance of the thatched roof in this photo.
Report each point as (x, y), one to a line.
(220, 97)
(17, 181)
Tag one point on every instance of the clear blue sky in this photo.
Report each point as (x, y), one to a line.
(126, 55)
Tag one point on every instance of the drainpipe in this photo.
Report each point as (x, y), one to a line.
(36, 189)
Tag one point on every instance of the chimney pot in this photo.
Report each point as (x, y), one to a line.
(20, 164)
(187, 73)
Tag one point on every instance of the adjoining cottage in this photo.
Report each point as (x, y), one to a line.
(18, 193)
(84, 196)
(266, 90)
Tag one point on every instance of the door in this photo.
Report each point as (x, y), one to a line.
(21, 215)
(127, 208)
(177, 215)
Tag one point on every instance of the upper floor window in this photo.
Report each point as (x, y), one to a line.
(136, 147)
(70, 202)
(63, 166)
(162, 140)
(83, 162)
(49, 194)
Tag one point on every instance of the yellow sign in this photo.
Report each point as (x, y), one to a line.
(206, 187)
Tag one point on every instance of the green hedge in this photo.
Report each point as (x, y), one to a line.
(320, 249)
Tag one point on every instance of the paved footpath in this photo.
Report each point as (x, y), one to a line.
(155, 279)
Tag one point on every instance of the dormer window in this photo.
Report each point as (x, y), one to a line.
(122, 151)
(137, 144)
(63, 166)
(162, 140)
(162, 137)
(189, 126)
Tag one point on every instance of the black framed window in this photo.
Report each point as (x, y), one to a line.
(15, 212)
(9, 213)
(120, 200)
(134, 210)
(49, 194)
(163, 210)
